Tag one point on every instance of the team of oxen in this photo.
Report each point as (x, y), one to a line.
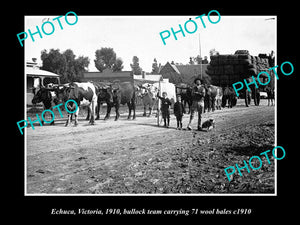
(94, 94)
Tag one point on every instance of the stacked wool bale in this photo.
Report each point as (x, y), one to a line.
(227, 69)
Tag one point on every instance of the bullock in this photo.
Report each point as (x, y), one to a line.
(148, 95)
(229, 97)
(185, 92)
(103, 96)
(122, 93)
(47, 96)
(212, 96)
(84, 94)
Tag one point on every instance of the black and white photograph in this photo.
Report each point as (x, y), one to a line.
(155, 115)
(168, 114)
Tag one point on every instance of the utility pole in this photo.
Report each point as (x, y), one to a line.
(200, 57)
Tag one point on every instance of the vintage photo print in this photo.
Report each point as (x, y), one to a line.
(181, 105)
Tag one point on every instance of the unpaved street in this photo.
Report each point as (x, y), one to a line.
(140, 157)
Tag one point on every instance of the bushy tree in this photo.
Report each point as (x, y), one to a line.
(155, 67)
(118, 65)
(64, 64)
(107, 58)
(135, 66)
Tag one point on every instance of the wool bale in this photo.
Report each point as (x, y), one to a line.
(219, 69)
(238, 69)
(223, 59)
(252, 72)
(245, 61)
(228, 69)
(214, 62)
(262, 55)
(244, 57)
(232, 59)
(244, 52)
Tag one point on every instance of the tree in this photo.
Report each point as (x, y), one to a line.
(107, 58)
(191, 62)
(81, 65)
(155, 67)
(64, 64)
(213, 52)
(135, 66)
(118, 65)
(198, 60)
(53, 61)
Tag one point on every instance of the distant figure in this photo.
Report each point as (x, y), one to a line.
(271, 95)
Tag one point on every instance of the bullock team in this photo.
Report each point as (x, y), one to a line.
(200, 98)
(91, 94)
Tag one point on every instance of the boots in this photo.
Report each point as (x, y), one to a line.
(190, 122)
(199, 123)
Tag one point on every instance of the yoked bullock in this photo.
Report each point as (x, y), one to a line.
(84, 94)
(122, 93)
(212, 99)
(113, 94)
(48, 96)
(148, 94)
(91, 94)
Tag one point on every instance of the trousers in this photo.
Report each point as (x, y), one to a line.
(199, 107)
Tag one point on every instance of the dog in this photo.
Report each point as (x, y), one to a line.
(209, 124)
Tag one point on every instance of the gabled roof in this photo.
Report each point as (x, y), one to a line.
(191, 69)
(187, 69)
(175, 68)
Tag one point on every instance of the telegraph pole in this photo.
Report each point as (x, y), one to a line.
(200, 57)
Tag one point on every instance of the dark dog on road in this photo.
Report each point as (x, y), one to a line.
(209, 124)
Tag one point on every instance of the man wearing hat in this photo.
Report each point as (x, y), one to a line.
(198, 93)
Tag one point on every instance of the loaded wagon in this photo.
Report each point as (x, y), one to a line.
(225, 70)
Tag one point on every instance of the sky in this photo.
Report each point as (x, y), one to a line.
(140, 36)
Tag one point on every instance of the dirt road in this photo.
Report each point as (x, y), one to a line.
(140, 157)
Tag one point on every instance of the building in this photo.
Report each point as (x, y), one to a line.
(37, 78)
(148, 77)
(108, 75)
(183, 73)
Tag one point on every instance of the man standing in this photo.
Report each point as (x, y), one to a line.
(198, 93)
